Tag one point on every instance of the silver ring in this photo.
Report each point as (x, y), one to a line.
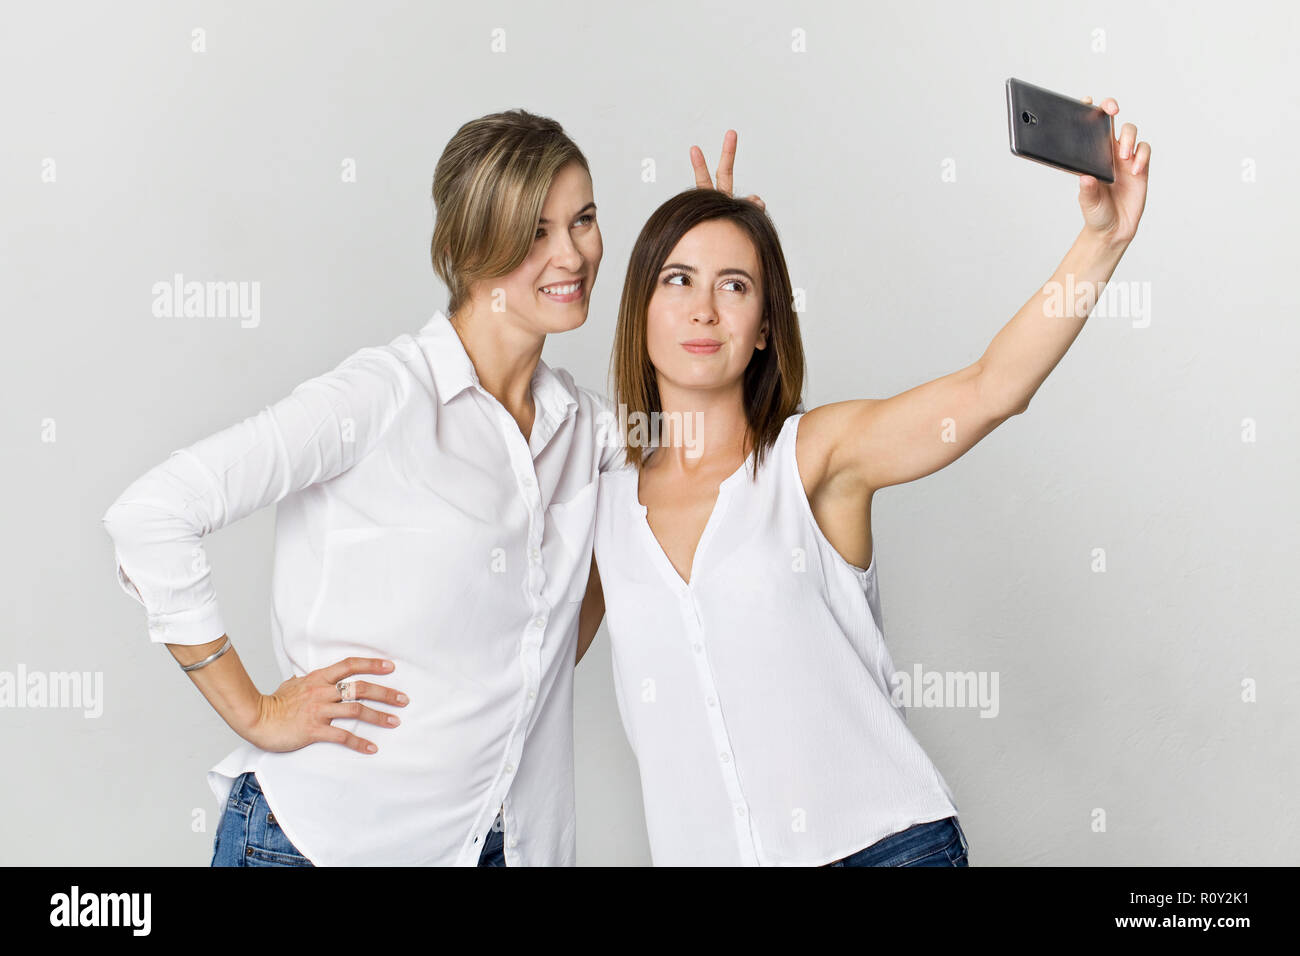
(347, 690)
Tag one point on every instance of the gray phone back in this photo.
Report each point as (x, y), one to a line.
(1059, 131)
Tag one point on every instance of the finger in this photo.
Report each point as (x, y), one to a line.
(1110, 106)
(1127, 137)
(354, 665)
(362, 689)
(702, 178)
(337, 735)
(1087, 99)
(1141, 158)
(757, 202)
(727, 162)
(355, 711)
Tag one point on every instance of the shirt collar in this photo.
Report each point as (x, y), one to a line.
(453, 372)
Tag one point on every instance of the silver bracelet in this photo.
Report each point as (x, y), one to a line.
(209, 659)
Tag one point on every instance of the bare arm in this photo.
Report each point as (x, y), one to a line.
(860, 446)
(592, 613)
(301, 709)
(225, 683)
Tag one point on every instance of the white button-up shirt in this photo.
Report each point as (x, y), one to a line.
(757, 698)
(415, 523)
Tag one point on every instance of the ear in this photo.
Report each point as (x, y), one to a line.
(762, 337)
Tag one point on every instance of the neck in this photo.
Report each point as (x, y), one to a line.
(504, 355)
(712, 423)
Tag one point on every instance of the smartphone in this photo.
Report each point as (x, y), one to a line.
(1059, 131)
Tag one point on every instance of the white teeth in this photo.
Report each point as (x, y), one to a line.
(562, 289)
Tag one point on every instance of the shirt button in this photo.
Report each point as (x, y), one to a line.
(532, 695)
(528, 480)
(510, 768)
(713, 702)
(726, 757)
(514, 841)
(539, 621)
(740, 811)
(535, 555)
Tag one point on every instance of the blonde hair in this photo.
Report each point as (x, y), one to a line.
(488, 190)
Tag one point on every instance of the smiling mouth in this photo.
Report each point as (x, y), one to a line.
(564, 291)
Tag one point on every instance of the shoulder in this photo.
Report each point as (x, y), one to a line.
(820, 431)
(601, 412)
(599, 404)
(374, 374)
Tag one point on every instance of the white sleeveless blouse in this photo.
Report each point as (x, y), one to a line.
(757, 697)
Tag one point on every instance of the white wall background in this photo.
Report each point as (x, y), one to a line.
(1120, 690)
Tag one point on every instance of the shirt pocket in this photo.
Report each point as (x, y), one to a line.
(570, 534)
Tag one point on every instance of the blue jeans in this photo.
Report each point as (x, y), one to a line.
(249, 836)
(940, 843)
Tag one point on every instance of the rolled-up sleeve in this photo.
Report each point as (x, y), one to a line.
(320, 430)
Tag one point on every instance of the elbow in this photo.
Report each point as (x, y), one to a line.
(1004, 400)
(114, 521)
(122, 521)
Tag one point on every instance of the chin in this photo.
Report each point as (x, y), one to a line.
(696, 378)
(567, 324)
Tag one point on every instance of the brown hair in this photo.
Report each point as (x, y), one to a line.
(773, 381)
(488, 190)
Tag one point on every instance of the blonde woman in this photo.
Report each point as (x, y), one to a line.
(436, 500)
(738, 568)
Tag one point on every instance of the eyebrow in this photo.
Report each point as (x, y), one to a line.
(590, 205)
(721, 272)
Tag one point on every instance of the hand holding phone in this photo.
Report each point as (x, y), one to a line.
(1078, 137)
(1059, 131)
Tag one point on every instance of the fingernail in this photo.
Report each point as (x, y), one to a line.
(370, 748)
(393, 720)
(401, 698)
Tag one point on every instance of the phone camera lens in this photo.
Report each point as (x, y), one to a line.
(1028, 117)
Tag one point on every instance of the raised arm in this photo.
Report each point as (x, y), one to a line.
(320, 430)
(860, 446)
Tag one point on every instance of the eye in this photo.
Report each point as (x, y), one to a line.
(668, 280)
(542, 232)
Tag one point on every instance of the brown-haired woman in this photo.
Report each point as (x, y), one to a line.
(735, 548)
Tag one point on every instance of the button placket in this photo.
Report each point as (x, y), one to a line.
(695, 634)
(521, 463)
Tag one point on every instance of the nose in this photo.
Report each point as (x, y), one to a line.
(564, 254)
(702, 310)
